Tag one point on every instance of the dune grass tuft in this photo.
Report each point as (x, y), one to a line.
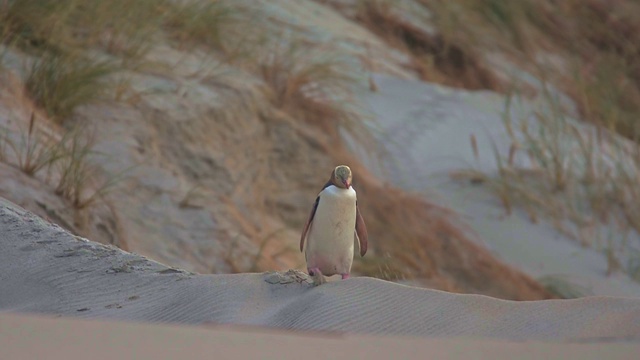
(31, 24)
(77, 45)
(116, 26)
(77, 178)
(597, 43)
(315, 85)
(64, 161)
(580, 177)
(200, 23)
(33, 151)
(125, 29)
(60, 83)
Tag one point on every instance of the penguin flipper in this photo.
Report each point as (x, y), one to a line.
(361, 232)
(307, 226)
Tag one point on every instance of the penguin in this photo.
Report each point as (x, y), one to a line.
(333, 223)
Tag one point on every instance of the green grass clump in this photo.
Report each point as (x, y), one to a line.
(61, 83)
(71, 39)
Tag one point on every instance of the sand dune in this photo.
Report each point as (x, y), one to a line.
(44, 269)
(427, 127)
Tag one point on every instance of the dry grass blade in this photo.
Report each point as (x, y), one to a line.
(474, 146)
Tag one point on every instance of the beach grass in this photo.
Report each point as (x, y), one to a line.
(578, 176)
(33, 151)
(60, 83)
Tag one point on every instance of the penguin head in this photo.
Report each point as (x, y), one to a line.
(342, 177)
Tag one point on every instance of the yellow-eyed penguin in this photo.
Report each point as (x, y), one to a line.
(331, 227)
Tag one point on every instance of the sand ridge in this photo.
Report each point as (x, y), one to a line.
(46, 270)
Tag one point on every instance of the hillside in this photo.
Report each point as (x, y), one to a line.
(198, 133)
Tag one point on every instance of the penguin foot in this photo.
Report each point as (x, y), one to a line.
(316, 274)
(345, 276)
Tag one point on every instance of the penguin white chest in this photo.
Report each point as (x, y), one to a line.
(330, 243)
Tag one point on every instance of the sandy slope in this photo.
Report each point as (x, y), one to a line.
(426, 128)
(44, 269)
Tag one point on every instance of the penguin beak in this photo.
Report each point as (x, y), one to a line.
(346, 185)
